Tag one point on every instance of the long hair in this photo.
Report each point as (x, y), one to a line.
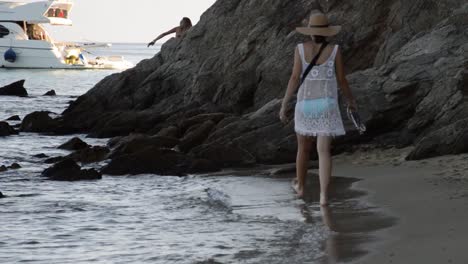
(186, 23)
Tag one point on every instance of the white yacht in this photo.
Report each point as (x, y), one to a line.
(24, 42)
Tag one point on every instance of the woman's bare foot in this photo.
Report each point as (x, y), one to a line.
(297, 188)
(323, 199)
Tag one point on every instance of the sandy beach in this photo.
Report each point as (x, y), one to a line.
(429, 198)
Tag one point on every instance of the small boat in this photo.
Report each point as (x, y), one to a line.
(24, 42)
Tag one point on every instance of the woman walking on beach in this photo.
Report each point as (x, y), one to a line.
(185, 24)
(317, 113)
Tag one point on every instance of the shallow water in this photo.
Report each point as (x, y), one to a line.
(154, 219)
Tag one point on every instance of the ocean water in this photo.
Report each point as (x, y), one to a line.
(149, 218)
(68, 84)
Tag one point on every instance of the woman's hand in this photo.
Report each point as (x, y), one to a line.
(151, 43)
(282, 115)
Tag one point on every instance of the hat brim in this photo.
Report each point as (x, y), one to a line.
(328, 31)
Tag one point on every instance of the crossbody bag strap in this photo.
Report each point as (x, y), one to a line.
(312, 63)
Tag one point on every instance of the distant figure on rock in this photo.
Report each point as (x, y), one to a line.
(317, 113)
(185, 24)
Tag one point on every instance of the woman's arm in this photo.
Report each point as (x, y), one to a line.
(292, 85)
(342, 81)
(174, 30)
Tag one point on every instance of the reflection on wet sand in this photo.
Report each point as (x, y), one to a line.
(352, 224)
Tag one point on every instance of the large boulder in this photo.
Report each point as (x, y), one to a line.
(201, 119)
(39, 122)
(196, 136)
(14, 118)
(54, 160)
(6, 130)
(137, 142)
(224, 155)
(452, 139)
(170, 131)
(203, 166)
(257, 137)
(14, 89)
(124, 123)
(149, 161)
(407, 70)
(90, 154)
(68, 170)
(74, 144)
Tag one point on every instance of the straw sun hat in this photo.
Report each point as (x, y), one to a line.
(319, 26)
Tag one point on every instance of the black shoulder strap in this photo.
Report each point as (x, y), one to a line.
(312, 63)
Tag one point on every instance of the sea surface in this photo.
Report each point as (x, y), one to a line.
(149, 218)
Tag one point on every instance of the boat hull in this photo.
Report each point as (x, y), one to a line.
(44, 55)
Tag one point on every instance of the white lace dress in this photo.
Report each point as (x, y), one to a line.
(317, 111)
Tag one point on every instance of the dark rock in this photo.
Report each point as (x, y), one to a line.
(74, 144)
(114, 141)
(224, 155)
(6, 130)
(50, 93)
(40, 156)
(203, 166)
(149, 160)
(200, 119)
(14, 118)
(197, 136)
(171, 131)
(68, 170)
(39, 122)
(14, 89)
(258, 137)
(137, 142)
(408, 73)
(124, 123)
(54, 160)
(14, 166)
(1, 195)
(90, 154)
(3, 168)
(452, 139)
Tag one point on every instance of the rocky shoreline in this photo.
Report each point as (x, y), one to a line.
(211, 100)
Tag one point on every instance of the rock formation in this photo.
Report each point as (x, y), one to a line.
(6, 130)
(14, 89)
(406, 62)
(90, 154)
(39, 122)
(40, 156)
(14, 166)
(14, 118)
(68, 170)
(50, 93)
(74, 144)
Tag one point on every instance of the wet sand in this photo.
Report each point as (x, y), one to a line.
(429, 199)
(388, 210)
(353, 223)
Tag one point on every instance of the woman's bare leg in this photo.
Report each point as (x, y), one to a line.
(325, 166)
(304, 145)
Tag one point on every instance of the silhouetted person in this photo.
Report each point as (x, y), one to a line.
(185, 24)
